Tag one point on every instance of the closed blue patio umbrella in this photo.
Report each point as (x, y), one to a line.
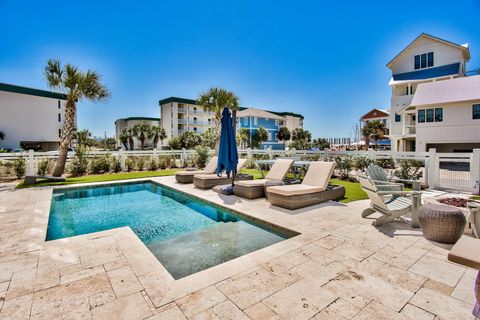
(227, 153)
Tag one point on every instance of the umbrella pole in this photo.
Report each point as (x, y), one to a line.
(234, 125)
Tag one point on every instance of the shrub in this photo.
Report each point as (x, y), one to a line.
(201, 156)
(344, 166)
(43, 167)
(100, 165)
(153, 164)
(79, 164)
(409, 170)
(19, 166)
(140, 163)
(361, 163)
(175, 143)
(165, 162)
(130, 164)
(116, 166)
(385, 163)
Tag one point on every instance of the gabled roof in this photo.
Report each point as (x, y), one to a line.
(251, 112)
(31, 91)
(464, 47)
(447, 91)
(375, 113)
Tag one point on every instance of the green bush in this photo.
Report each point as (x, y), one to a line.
(130, 164)
(409, 170)
(344, 166)
(116, 166)
(153, 164)
(385, 163)
(202, 154)
(100, 165)
(361, 163)
(79, 164)
(140, 163)
(165, 162)
(43, 167)
(19, 166)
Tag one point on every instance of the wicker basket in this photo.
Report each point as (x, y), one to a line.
(442, 223)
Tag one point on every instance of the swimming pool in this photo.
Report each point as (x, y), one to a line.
(186, 234)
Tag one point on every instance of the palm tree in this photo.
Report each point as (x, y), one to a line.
(123, 137)
(367, 134)
(376, 129)
(284, 135)
(215, 99)
(244, 136)
(158, 134)
(82, 137)
(128, 134)
(260, 135)
(76, 85)
(141, 131)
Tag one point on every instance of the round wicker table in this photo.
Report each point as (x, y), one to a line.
(442, 223)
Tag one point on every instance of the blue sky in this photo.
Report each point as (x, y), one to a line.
(326, 61)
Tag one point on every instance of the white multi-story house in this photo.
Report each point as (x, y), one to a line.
(427, 59)
(30, 118)
(121, 124)
(381, 115)
(178, 115)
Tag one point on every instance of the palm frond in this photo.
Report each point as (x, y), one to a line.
(54, 74)
(91, 86)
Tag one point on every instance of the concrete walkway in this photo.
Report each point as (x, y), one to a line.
(339, 267)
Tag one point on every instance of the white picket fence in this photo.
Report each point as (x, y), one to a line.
(447, 171)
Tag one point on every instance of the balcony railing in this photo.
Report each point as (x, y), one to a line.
(191, 111)
(194, 122)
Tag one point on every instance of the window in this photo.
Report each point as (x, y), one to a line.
(424, 60)
(59, 133)
(59, 117)
(476, 111)
(59, 104)
(398, 117)
(406, 90)
(421, 116)
(438, 114)
(429, 115)
(255, 121)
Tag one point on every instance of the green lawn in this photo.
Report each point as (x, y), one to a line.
(475, 197)
(353, 190)
(106, 177)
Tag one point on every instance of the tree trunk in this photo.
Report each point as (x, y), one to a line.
(66, 137)
(216, 131)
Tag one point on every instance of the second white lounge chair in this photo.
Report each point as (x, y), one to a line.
(186, 176)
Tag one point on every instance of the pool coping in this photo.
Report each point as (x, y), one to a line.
(160, 286)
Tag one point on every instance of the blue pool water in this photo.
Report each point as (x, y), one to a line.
(186, 235)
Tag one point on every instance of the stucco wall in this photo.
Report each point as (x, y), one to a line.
(29, 118)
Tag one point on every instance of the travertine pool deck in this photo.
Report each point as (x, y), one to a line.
(339, 267)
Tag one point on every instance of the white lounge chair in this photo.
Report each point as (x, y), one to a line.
(208, 181)
(314, 188)
(186, 176)
(391, 204)
(252, 189)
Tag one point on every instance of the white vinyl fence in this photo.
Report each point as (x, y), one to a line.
(447, 171)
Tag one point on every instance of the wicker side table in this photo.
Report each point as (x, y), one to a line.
(442, 223)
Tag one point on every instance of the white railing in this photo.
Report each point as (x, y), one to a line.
(451, 171)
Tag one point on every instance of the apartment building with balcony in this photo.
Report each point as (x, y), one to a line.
(178, 115)
(427, 59)
(30, 118)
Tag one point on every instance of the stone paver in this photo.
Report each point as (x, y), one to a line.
(339, 267)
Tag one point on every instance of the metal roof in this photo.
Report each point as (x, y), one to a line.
(31, 91)
(251, 112)
(441, 71)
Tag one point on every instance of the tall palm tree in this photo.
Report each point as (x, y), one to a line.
(123, 137)
(367, 135)
(260, 135)
(82, 137)
(215, 99)
(142, 131)
(77, 85)
(128, 134)
(244, 136)
(284, 135)
(158, 134)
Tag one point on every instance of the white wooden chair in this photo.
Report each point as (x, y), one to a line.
(378, 175)
(392, 204)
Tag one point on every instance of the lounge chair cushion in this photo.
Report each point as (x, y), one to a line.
(295, 189)
(211, 165)
(191, 173)
(465, 252)
(319, 174)
(251, 183)
(279, 169)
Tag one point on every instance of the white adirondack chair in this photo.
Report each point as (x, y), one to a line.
(391, 204)
(378, 175)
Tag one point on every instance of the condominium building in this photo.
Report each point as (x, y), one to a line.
(419, 68)
(122, 124)
(179, 115)
(30, 118)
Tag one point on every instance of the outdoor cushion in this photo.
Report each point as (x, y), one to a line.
(252, 183)
(465, 252)
(192, 172)
(319, 174)
(295, 189)
(279, 169)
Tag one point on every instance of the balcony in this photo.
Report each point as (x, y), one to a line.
(191, 111)
(194, 122)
